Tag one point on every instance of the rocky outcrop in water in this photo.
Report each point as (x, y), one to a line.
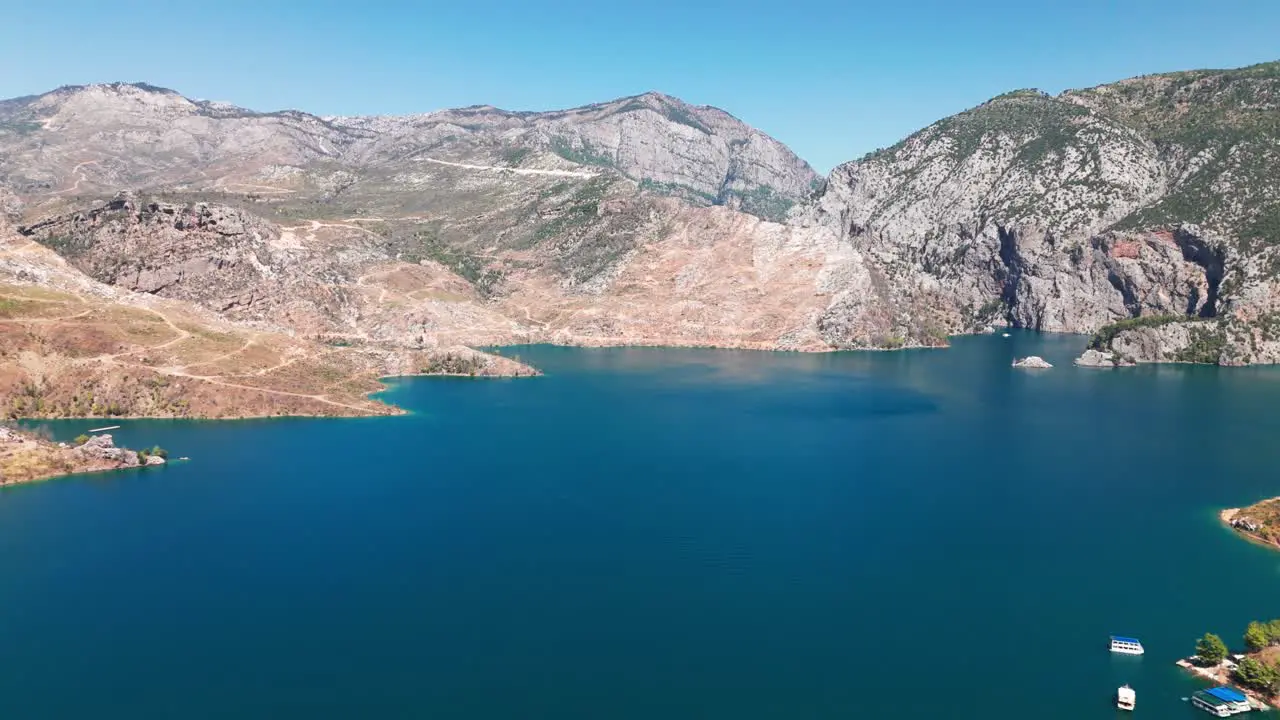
(1033, 362)
(1101, 359)
(103, 447)
(27, 456)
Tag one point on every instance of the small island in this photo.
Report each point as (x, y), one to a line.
(1259, 522)
(1256, 671)
(28, 456)
(1034, 362)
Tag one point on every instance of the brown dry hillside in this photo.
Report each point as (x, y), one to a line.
(70, 347)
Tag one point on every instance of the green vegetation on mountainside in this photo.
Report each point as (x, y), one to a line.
(1208, 338)
(763, 201)
(581, 153)
(1221, 132)
(1216, 134)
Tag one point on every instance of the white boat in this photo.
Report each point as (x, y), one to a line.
(1125, 698)
(1126, 645)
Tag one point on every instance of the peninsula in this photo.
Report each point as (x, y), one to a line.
(28, 457)
(1259, 522)
(1255, 669)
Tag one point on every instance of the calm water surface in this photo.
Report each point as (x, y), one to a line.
(660, 533)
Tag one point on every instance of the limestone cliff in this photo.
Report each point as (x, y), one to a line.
(1153, 196)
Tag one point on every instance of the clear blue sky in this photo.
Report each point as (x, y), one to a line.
(831, 79)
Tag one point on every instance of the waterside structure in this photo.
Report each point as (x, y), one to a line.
(1221, 701)
(1126, 645)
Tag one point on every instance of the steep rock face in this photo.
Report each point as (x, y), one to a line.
(205, 253)
(1080, 286)
(668, 144)
(981, 208)
(1146, 197)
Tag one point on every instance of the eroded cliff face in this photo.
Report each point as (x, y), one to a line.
(329, 281)
(628, 269)
(1069, 213)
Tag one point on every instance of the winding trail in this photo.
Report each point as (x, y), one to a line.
(315, 225)
(79, 176)
(247, 343)
(181, 335)
(182, 371)
(516, 171)
(213, 379)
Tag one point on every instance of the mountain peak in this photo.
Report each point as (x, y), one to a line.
(118, 87)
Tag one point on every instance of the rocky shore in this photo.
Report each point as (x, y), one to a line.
(1221, 674)
(1102, 359)
(26, 457)
(1259, 522)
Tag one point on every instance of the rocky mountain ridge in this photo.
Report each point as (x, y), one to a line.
(121, 136)
(1140, 211)
(1155, 195)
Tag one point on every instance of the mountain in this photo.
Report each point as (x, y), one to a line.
(1145, 211)
(1156, 196)
(109, 137)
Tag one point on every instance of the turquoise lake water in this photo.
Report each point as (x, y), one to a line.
(660, 533)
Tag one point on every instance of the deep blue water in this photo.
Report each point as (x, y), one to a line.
(660, 533)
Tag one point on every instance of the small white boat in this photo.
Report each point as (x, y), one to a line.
(1004, 334)
(1126, 645)
(1126, 698)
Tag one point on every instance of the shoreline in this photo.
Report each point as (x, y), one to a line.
(1221, 675)
(615, 342)
(386, 409)
(389, 410)
(1228, 516)
(7, 484)
(26, 457)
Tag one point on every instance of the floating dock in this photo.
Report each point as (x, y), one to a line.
(1221, 701)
